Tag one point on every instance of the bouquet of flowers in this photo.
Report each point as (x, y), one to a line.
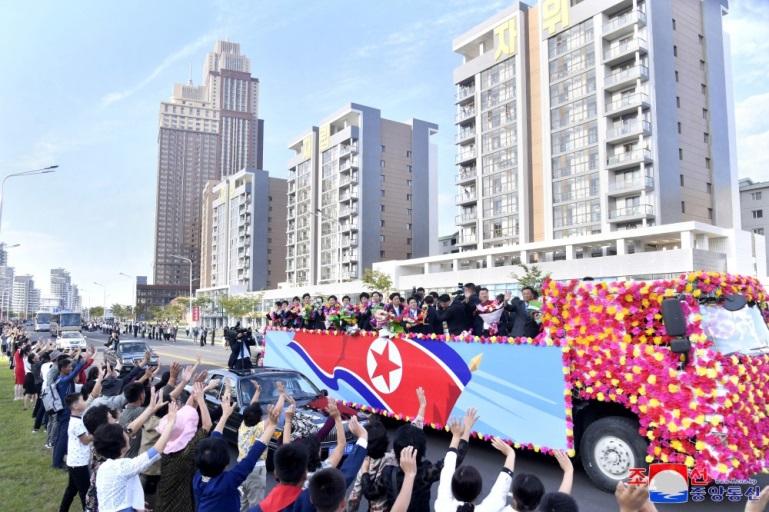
(333, 316)
(387, 319)
(348, 316)
(308, 313)
(414, 317)
(490, 312)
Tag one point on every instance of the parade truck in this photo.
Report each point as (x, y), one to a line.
(622, 374)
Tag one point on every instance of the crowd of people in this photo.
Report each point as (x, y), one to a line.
(471, 310)
(144, 440)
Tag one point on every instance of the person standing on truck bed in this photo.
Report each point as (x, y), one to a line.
(522, 314)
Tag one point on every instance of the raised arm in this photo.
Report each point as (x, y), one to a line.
(227, 410)
(156, 403)
(471, 416)
(444, 496)
(200, 399)
(568, 471)
(257, 393)
(290, 411)
(336, 455)
(409, 466)
(183, 380)
(419, 420)
(497, 497)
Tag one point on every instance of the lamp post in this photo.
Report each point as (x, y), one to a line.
(44, 170)
(190, 262)
(104, 298)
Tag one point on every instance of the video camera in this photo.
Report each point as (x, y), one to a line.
(460, 291)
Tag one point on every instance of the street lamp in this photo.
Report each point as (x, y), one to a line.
(104, 298)
(44, 170)
(190, 262)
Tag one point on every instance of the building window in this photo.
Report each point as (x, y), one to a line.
(756, 196)
(675, 51)
(408, 227)
(408, 197)
(381, 223)
(676, 75)
(701, 38)
(381, 254)
(408, 183)
(709, 187)
(758, 214)
(383, 193)
(704, 88)
(682, 179)
(410, 168)
(710, 213)
(702, 65)
(674, 23)
(680, 153)
(678, 101)
(706, 137)
(383, 148)
(704, 113)
(679, 126)
(707, 163)
(683, 206)
(758, 231)
(381, 208)
(381, 238)
(381, 178)
(381, 164)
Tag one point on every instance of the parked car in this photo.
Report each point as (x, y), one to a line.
(310, 402)
(70, 340)
(129, 353)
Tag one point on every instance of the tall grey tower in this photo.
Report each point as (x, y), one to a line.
(206, 132)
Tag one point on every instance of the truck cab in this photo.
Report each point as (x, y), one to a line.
(665, 371)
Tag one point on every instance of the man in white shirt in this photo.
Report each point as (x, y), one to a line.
(78, 453)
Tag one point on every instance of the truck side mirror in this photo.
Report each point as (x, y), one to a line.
(673, 317)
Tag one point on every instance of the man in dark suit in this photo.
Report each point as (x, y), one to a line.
(451, 314)
(522, 316)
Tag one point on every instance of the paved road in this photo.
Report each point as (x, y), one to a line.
(487, 460)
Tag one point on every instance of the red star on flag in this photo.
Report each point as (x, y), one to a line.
(384, 365)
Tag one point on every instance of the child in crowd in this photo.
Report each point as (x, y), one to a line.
(216, 490)
(78, 453)
(291, 471)
(251, 429)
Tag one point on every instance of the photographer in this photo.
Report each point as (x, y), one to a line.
(451, 317)
(240, 340)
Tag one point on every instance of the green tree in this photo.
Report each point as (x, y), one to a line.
(118, 311)
(202, 302)
(238, 306)
(378, 281)
(532, 276)
(96, 312)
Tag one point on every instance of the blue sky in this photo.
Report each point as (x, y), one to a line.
(82, 82)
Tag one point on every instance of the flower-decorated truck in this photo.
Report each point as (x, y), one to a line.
(622, 374)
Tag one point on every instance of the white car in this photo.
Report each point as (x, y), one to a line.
(71, 340)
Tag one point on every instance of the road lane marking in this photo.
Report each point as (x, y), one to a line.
(193, 359)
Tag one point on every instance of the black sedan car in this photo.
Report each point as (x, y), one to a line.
(129, 353)
(310, 402)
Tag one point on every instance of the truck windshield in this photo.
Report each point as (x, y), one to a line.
(735, 331)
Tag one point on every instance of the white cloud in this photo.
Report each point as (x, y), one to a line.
(186, 51)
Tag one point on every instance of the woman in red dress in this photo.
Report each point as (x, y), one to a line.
(18, 364)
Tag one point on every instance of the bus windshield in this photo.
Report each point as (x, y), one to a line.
(69, 319)
(43, 318)
(741, 331)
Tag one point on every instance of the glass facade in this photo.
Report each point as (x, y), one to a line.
(574, 132)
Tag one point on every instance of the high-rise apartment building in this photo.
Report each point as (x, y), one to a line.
(6, 290)
(61, 287)
(754, 208)
(590, 116)
(26, 298)
(361, 189)
(244, 232)
(207, 132)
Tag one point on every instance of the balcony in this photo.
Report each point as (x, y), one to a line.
(628, 131)
(623, 25)
(629, 159)
(466, 156)
(618, 51)
(466, 175)
(627, 104)
(346, 149)
(465, 135)
(620, 187)
(631, 212)
(348, 164)
(464, 92)
(623, 77)
(464, 113)
(349, 226)
(467, 196)
(351, 195)
(467, 238)
(466, 218)
(348, 179)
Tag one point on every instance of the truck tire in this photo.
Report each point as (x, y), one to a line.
(609, 448)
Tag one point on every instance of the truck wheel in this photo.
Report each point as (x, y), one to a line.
(609, 448)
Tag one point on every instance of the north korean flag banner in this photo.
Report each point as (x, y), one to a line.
(517, 389)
